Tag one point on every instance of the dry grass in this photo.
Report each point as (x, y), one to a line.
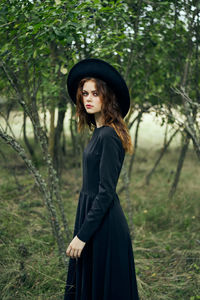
(166, 238)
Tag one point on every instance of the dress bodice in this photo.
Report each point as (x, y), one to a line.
(92, 154)
(102, 162)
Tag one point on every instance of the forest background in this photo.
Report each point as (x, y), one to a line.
(155, 46)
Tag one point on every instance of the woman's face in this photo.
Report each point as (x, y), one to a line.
(91, 98)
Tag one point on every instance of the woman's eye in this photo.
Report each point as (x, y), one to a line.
(85, 94)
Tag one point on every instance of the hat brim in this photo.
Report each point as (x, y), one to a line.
(98, 68)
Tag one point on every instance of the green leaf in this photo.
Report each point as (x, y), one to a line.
(63, 70)
(35, 53)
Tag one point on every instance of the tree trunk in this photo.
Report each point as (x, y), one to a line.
(165, 135)
(129, 169)
(63, 144)
(58, 157)
(51, 132)
(28, 145)
(163, 150)
(135, 145)
(73, 137)
(183, 152)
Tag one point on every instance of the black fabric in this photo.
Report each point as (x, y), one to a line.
(105, 270)
(98, 68)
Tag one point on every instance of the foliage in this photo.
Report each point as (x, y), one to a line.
(155, 45)
(41, 40)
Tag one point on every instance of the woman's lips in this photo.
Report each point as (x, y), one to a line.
(89, 106)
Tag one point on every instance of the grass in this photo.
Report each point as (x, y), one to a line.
(166, 244)
(166, 232)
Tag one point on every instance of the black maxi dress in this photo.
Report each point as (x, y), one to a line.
(105, 270)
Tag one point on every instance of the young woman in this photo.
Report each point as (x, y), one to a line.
(101, 263)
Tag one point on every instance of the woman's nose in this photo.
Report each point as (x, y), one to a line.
(89, 97)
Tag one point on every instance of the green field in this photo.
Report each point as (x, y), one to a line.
(166, 238)
(151, 133)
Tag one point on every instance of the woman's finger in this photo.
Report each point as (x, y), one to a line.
(79, 253)
(74, 255)
(68, 250)
(71, 252)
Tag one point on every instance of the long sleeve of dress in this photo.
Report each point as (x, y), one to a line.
(109, 170)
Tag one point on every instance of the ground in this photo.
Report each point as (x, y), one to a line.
(166, 232)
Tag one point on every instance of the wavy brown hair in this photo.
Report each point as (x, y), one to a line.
(110, 111)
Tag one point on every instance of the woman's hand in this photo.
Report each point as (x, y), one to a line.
(75, 248)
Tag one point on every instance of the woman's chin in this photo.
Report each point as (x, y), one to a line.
(90, 111)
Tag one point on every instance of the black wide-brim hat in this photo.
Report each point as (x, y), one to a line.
(97, 68)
